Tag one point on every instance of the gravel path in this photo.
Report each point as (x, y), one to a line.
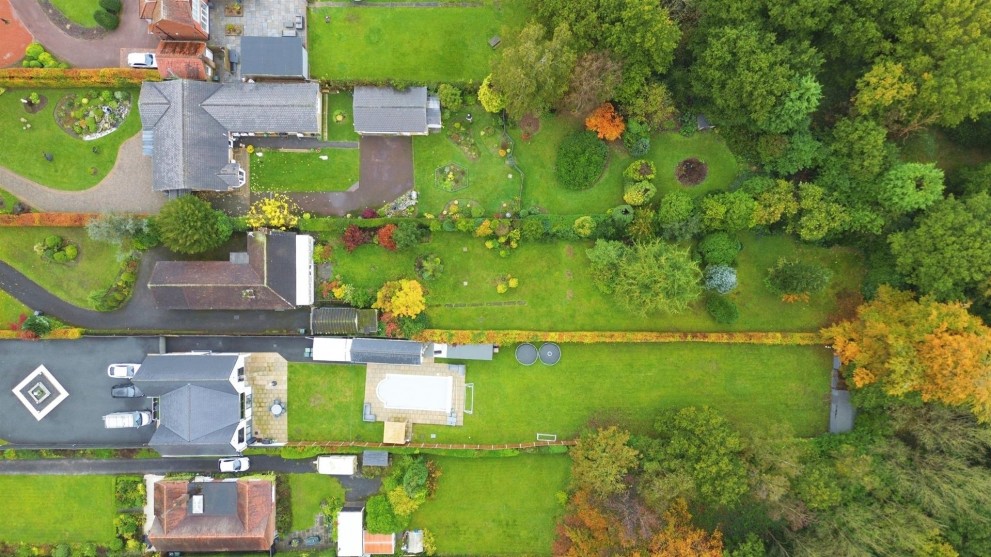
(127, 188)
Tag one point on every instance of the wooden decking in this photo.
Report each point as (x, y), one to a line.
(261, 371)
(377, 372)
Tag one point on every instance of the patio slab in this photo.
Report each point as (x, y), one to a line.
(268, 375)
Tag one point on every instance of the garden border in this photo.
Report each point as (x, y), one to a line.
(466, 336)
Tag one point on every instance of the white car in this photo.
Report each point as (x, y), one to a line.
(142, 60)
(122, 371)
(237, 464)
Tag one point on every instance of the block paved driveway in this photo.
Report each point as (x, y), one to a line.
(81, 367)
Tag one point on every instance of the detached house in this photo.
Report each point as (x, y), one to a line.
(213, 516)
(191, 128)
(184, 20)
(202, 401)
(386, 111)
(275, 273)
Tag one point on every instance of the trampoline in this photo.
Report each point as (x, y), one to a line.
(550, 353)
(416, 392)
(526, 354)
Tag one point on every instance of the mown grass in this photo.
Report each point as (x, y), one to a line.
(57, 509)
(75, 166)
(308, 491)
(556, 292)
(344, 129)
(754, 386)
(95, 268)
(282, 171)
(11, 309)
(496, 506)
(409, 44)
(78, 11)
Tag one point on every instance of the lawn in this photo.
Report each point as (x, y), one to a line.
(308, 491)
(488, 175)
(95, 269)
(556, 293)
(409, 44)
(933, 146)
(537, 157)
(282, 171)
(54, 509)
(341, 130)
(754, 386)
(75, 166)
(329, 400)
(78, 11)
(11, 309)
(496, 506)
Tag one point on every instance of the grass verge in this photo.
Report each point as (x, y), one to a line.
(78, 11)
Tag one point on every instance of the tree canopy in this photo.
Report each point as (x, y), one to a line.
(190, 225)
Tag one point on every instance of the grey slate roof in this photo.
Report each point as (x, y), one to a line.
(469, 351)
(219, 498)
(382, 351)
(191, 121)
(278, 57)
(343, 321)
(375, 458)
(385, 111)
(162, 373)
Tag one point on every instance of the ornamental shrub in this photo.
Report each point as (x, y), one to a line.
(721, 278)
(719, 248)
(581, 158)
(640, 170)
(71, 252)
(53, 241)
(112, 6)
(415, 477)
(402, 297)
(408, 235)
(622, 214)
(639, 193)
(385, 237)
(355, 236)
(584, 226)
(722, 309)
(636, 138)
(106, 19)
(190, 225)
(791, 277)
(379, 516)
(450, 97)
(38, 324)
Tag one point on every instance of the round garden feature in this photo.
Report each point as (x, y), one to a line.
(451, 177)
(691, 172)
(526, 354)
(550, 353)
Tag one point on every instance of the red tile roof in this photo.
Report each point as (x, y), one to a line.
(379, 544)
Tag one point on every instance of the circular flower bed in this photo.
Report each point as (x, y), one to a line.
(691, 172)
(451, 177)
(34, 102)
(93, 114)
(340, 117)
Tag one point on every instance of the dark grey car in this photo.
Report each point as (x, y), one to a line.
(125, 390)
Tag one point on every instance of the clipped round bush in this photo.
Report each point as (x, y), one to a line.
(639, 193)
(584, 226)
(640, 170)
(622, 214)
(112, 6)
(71, 252)
(718, 248)
(722, 309)
(106, 19)
(721, 278)
(581, 158)
(53, 241)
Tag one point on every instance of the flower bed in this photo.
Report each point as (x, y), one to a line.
(451, 177)
(93, 115)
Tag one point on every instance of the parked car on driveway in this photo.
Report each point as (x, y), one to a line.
(234, 464)
(122, 371)
(118, 420)
(125, 390)
(142, 60)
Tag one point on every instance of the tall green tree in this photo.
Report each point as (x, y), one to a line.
(190, 225)
(532, 74)
(657, 276)
(949, 249)
(910, 186)
(601, 459)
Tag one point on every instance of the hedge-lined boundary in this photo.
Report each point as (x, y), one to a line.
(66, 78)
(429, 446)
(592, 337)
(61, 220)
(66, 333)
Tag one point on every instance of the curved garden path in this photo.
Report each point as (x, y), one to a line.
(82, 53)
(127, 188)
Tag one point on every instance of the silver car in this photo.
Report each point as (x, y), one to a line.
(122, 371)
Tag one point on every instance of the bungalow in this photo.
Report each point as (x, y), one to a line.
(202, 403)
(190, 128)
(185, 20)
(386, 111)
(275, 273)
(213, 516)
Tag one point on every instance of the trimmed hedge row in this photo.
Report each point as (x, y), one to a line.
(66, 333)
(591, 337)
(62, 78)
(64, 220)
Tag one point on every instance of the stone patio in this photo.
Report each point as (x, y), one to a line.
(268, 375)
(375, 373)
(261, 18)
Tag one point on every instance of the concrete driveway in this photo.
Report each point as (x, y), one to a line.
(80, 366)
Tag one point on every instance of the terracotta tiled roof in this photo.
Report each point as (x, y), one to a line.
(247, 526)
(379, 544)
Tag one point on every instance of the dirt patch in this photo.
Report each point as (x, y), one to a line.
(569, 250)
(691, 172)
(847, 302)
(529, 125)
(34, 108)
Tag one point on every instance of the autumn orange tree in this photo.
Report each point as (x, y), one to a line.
(680, 538)
(938, 350)
(606, 122)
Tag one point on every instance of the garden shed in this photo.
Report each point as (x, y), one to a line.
(343, 321)
(386, 111)
(375, 458)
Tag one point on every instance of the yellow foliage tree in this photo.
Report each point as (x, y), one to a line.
(278, 212)
(938, 350)
(402, 298)
(681, 539)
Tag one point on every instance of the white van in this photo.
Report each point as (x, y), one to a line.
(119, 420)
